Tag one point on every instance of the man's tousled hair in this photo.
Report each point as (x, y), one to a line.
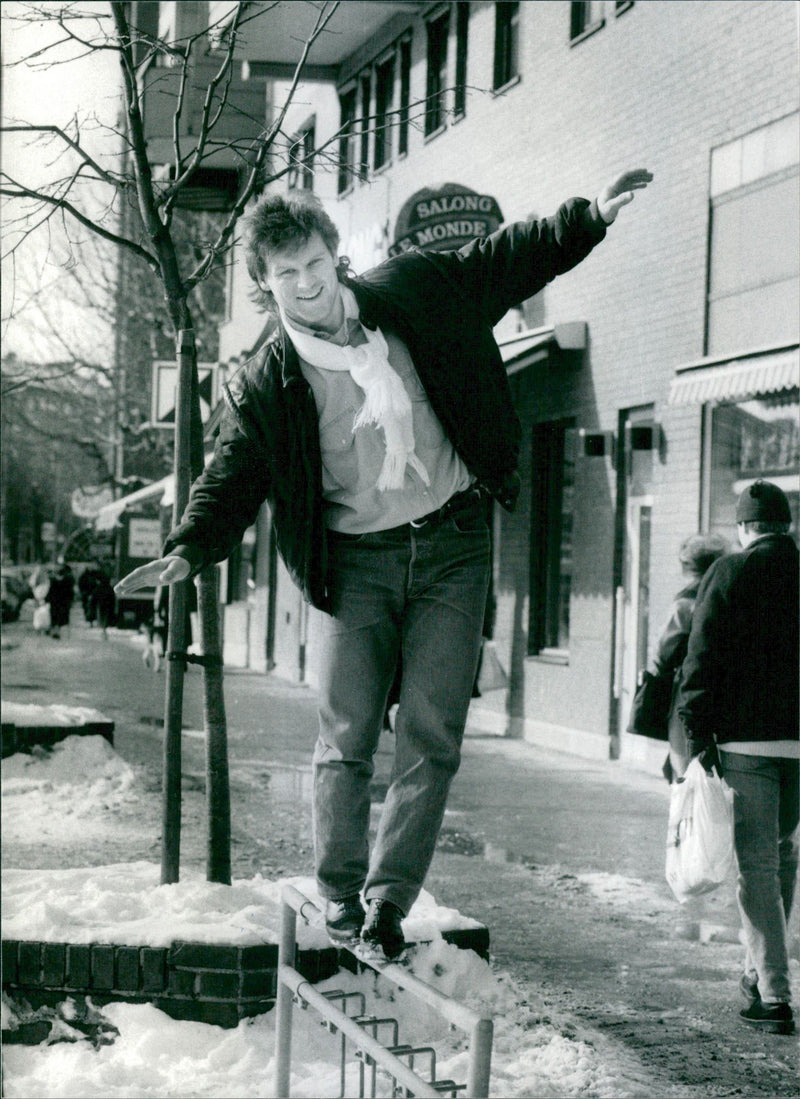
(283, 221)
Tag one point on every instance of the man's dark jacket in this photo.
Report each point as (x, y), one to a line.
(740, 676)
(443, 305)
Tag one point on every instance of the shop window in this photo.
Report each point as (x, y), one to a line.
(437, 73)
(347, 152)
(301, 160)
(754, 261)
(405, 96)
(586, 17)
(462, 38)
(384, 92)
(506, 44)
(757, 437)
(552, 510)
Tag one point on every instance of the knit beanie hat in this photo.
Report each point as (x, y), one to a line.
(763, 501)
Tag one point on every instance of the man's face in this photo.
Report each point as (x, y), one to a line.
(303, 281)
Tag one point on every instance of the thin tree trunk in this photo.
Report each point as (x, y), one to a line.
(218, 801)
(176, 631)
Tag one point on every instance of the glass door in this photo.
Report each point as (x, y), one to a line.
(638, 437)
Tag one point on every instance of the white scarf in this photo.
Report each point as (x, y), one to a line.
(386, 402)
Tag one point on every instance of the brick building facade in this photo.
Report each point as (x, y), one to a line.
(651, 382)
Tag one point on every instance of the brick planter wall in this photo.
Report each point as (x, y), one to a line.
(21, 738)
(198, 982)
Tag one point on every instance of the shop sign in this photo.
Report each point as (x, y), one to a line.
(144, 538)
(447, 217)
(86, 502)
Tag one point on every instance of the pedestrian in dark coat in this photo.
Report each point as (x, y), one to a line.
(60, 595)
(739, 705)
(102, 601)
(696, 555)
(375, 422)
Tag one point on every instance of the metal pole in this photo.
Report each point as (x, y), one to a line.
(480, 1059)
(283, 1004)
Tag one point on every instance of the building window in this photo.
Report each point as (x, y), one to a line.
(752, 438)
(405, 96)
(384, 92)
(586, 16)
(437, 73)
(552, 508)
(301, 160)
(365, 87)
(506, 44)
(754, 261)
(462, 36)
(347, 152)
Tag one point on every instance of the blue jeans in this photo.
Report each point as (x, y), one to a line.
(420, 595)
(765, 817)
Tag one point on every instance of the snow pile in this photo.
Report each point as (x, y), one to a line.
(58, 794)
(126, 904)
(27, 714)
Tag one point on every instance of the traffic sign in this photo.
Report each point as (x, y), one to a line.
(165, 381)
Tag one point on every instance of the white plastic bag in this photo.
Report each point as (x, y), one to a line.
(700, 833)
(41, 618)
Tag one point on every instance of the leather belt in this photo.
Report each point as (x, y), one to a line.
(460, 502)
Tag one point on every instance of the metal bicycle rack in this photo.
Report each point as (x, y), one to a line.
(376, 1040)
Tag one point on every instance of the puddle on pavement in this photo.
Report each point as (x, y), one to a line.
(451, 841)
(281, 781)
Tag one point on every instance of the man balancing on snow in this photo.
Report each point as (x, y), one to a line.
(376, 422)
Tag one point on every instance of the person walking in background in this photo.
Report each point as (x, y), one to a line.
(86, 582)
(738, 701)
(60, 595)
(102, 601)
(375, 422)
(696, 555)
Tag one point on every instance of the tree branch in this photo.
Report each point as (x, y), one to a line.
(63, 204)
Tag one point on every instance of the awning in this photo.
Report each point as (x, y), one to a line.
(108, 516)
(716, 379)
(528, 347)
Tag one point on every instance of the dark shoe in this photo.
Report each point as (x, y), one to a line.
(748, 986)
(344, 919)
(772, 1018)
(382, 928)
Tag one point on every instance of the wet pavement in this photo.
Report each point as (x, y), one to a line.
(561, 858)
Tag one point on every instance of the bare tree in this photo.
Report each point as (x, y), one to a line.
(125, 203)
(88, 192)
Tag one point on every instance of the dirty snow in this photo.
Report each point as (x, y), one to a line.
(535, 1053)
(67, 793)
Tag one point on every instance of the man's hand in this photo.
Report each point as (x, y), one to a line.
(709, 758)
(166, 570)
(619, 193)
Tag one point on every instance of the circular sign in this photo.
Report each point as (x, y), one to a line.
(444, 217)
